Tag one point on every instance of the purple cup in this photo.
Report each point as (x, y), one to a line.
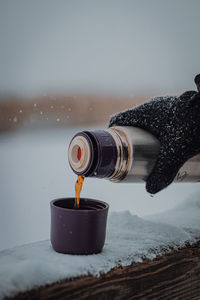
(78, 230)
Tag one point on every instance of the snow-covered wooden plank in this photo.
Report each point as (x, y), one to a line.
(130, 240)
(175, 275)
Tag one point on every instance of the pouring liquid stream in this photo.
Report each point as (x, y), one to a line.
(78, 188)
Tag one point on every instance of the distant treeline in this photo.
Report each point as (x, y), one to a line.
(60, 110)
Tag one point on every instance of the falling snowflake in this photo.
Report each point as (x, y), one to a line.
(35, 105)
(15, 119)
(58, 120)
(20, 111)
(41, 112)
(51, 106)
(69, 109)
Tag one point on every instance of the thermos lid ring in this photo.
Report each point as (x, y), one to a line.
(79, 153)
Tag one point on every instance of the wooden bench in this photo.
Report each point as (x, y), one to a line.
(175, 275)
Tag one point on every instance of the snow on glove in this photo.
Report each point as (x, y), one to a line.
(175, 122)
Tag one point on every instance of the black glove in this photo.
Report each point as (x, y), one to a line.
(175, 122)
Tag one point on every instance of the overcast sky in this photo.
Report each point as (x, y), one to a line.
(120, 47)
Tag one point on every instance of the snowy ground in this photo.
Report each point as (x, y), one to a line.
(35, 170)
(129, 238)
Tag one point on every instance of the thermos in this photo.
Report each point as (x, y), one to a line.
(122, 154)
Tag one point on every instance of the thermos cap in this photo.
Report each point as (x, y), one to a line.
(78, 231)
(93, 153)
(79, 153)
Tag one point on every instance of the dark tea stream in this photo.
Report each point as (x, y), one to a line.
(78, 188)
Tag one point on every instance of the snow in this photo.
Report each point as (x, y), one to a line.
(15, 119)
(185, 214)
(129, 239)
(35, 171)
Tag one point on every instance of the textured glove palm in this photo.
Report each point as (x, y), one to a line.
(175, 122)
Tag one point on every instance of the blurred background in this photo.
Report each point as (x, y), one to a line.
(66, 66)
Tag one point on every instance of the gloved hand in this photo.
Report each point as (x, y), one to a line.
(175, 122)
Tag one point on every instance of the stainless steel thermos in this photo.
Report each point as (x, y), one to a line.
(122, 154)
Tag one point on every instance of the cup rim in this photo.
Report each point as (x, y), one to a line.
(52, 204)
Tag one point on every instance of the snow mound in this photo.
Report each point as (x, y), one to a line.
(129, 238)
(185, 215)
